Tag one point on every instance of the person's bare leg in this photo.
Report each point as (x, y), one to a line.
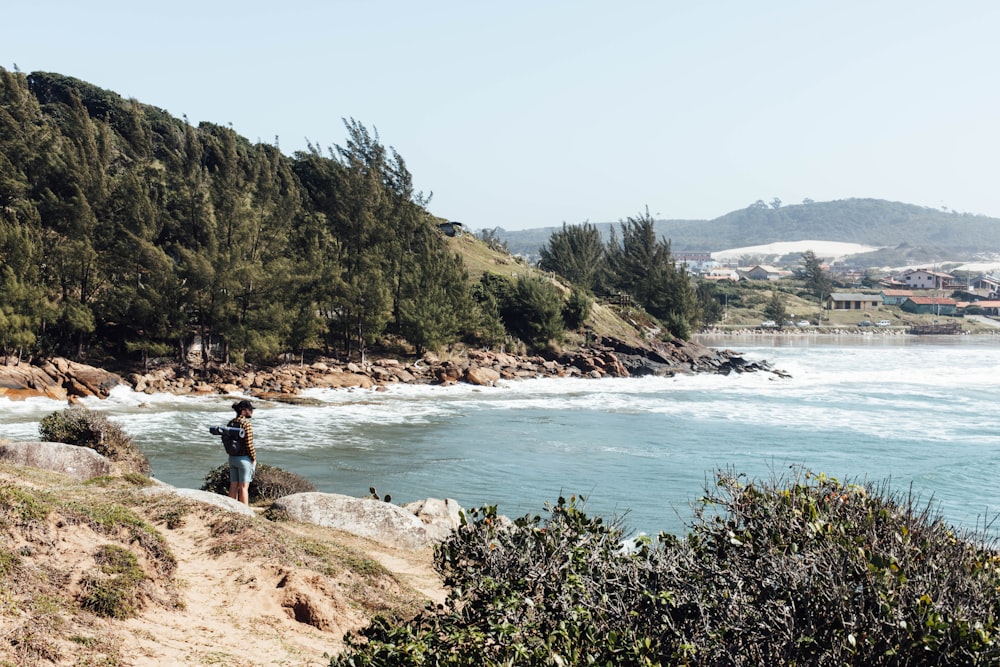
(233, 490)
(243, 492)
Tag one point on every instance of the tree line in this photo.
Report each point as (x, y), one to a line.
(126, 231)
(637, 266)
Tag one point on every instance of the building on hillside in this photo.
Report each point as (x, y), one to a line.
(987, 307)
(451, 228)
(852, 301)
(894, 297)
(721, 275)
(927, 279)
(764, 272)
(930, 305)
(986, 284)
(696, 262)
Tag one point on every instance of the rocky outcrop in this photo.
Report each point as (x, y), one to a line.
(605, 357)
(208, 497)
(80, 463)
(680, 357)
(57, 378)
(383, 522)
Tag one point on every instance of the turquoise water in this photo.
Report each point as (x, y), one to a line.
(918, 412)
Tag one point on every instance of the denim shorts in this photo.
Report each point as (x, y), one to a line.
(241, 469)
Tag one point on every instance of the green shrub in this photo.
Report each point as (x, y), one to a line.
(533, 312)
(577, 308)
(269, 483)
(114, 590)
(86, 428)
(807, 571)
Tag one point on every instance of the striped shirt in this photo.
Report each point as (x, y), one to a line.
(244, 423)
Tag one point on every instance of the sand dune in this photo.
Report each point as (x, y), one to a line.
(826, 250)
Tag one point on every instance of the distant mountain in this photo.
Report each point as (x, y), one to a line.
(905, 232)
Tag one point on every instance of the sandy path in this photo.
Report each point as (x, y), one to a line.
(241, 613)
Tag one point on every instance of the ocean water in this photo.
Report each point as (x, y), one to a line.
(918, 413)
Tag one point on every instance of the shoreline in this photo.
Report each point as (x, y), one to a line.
(64, 379)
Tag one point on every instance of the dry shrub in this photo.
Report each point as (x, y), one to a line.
(269, 483)
(87, 428)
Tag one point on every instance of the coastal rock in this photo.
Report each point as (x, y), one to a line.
(604, 357)
(484, 377)
(209, 497)
(381, 522)
(440, 517)
(80, 463)
(85, 380)
(24, 381)
(57, 378)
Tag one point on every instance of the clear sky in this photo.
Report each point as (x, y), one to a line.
(529, 114)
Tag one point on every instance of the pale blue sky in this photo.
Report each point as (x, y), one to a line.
(531, 114)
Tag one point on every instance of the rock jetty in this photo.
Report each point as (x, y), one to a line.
(62, 379)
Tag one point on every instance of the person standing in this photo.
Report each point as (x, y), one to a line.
(242, 465)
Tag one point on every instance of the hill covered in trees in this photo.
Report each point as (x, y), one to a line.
(128, 233)
(904, 231)
(125, 230)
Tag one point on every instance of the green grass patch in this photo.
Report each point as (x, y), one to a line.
(114, 590)
(22, 506)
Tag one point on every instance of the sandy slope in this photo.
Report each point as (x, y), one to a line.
(239, 596)
(242, 612)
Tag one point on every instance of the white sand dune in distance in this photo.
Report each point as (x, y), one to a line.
(826, 250)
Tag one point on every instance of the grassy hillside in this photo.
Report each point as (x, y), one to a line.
(479, 258)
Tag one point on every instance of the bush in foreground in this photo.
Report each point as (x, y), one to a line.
(87, 428)
(806, 571)
(269, 483)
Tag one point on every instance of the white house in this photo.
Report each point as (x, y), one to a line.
(926, 279)
(696, 262)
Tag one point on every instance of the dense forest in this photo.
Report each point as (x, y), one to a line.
(124, 230)
(128, 233)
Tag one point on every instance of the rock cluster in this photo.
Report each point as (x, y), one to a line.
(63, 379)
(58, 378)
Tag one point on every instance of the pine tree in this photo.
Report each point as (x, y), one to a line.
(434, 300)
(642, 267)
(576, 253)
(775, 309)
(534, 312)
(817, 280)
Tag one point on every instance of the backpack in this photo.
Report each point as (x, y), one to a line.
(232, 438)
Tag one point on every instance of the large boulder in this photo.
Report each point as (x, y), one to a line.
(80, 463)
(26, 381)
(379, 521)
(81, 379)
(56, 378)
(482, 376)
(440, 517)
(209, 497)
